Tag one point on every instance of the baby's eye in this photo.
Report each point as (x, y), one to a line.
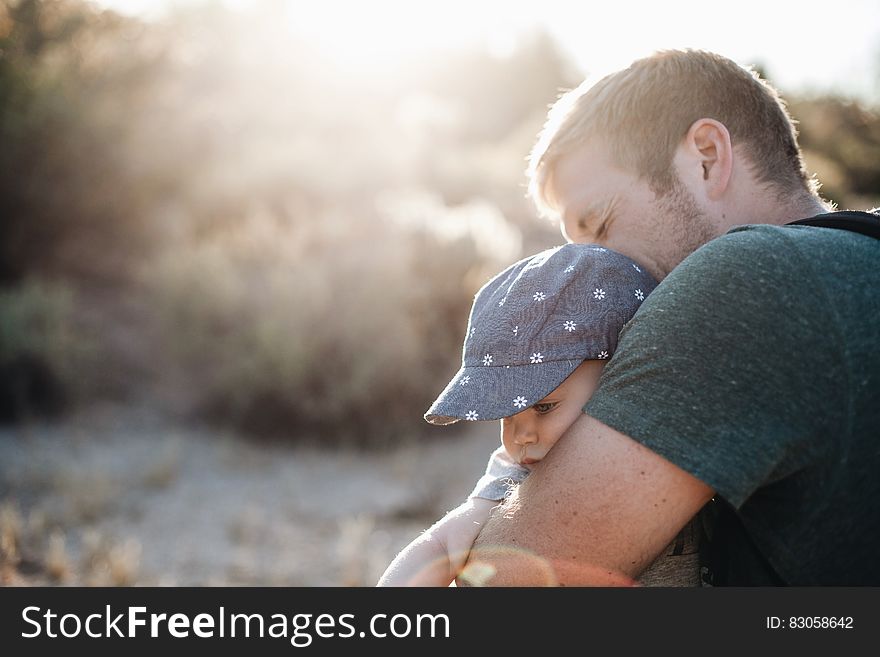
(543, 408)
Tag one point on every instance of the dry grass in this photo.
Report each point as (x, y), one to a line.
(10, 536)
(57, 561)
(88, 495)
(123, 562)
(354, 549)
(106, 562)
(135, 504)
(36, 552)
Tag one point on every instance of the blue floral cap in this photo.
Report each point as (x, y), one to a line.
(534, 323)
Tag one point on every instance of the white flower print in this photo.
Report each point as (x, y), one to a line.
(487, 359)
(636, 267)
(569, 326)
(464, 380)
(473, 330)
(537, 357)
(539, 296)
(569, 269)
(599, 249)
(640, 295)
(520, 402)
(502, 302)
(602, 355)
(516, 329)
(471, 416)
(598, 293)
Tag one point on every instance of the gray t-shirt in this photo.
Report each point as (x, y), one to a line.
(755, 366)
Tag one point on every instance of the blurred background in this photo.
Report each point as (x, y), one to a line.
(239, 241)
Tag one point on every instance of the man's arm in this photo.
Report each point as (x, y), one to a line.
(596, 511)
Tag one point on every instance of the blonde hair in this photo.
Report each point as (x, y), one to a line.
(644, 111)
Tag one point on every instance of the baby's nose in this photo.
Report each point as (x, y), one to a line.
(524, 433)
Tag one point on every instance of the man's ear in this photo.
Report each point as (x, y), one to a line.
(708, 156)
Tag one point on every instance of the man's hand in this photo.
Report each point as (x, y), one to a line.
(595, 512)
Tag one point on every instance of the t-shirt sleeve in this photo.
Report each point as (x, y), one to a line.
(725, 368)
(501, 475)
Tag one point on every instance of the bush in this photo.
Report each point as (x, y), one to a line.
(75, 196)
(42, 355)
(309, 331)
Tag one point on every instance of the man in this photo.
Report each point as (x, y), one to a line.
(750, 374)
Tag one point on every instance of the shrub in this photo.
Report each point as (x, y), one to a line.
(309, 332)
(42, 355)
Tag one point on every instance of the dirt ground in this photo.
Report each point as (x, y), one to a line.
(121, 496)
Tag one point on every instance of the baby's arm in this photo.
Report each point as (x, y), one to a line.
(436, 557)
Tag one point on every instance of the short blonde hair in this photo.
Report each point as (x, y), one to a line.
(644, 111)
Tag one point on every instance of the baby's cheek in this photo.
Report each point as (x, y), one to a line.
(508, 445)
(507, 448)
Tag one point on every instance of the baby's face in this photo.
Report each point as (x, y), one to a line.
(529, 435)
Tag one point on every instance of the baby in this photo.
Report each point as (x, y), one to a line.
(537, 340)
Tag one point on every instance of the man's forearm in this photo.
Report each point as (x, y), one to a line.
(595, 512)
(502, 555)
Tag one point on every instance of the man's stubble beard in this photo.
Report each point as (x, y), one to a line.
(686, 226)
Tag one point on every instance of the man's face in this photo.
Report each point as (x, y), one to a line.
(598, 202)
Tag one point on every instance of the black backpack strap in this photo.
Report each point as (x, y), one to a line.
(728, 556)
(865, 223)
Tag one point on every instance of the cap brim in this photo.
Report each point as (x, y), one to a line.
(492, 393)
